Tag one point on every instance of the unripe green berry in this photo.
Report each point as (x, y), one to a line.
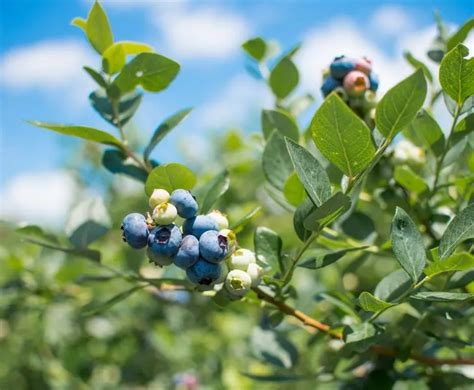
(219, 219)
(255, 273)
(237, 283)
(241, 259)
(158, 197)
(164, 214)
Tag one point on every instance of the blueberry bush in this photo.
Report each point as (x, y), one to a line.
(331, 253)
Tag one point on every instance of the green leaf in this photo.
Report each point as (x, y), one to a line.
(418, 64)
(240, 224)
(459, 229)
(116, 162)
(432, 296)
(96, 76)
(276, 162)
(215, 189)
(115, 57)
(91, 310)
(170, 177)
(293, 190)
(98, 29)
(280, 378)
(424, 131)
(126, 108)
(255, 48)
(281, 121)
(87, 133)
(368, 302)
(311, 173)
(360, 337)
(462, 129)
(328, 212)
(320, 258)
(342, 137)
(90, 254)
(284, 78)
(164, 128)
(400, 104)
(392, 286)
(460, 35)
(273, 348)
(407, 244)
(36, 233)
(460, 279)
(301, 213)
(405, 176)
(457, 262)
(152, 71)
(268, 245)
(80, 22)
(88, 221)
(456, 74)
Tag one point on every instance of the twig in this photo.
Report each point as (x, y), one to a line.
(376, 348)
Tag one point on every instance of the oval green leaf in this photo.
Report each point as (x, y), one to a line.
(170, 177)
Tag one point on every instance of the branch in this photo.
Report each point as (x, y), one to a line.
(378, 349)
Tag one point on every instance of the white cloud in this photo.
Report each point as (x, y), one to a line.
(53, 65)
(201, 32)
(45, 198)
(391, 20)
(233, 104)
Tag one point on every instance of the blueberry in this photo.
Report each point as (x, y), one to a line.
(356, 83)
(220, 219)
(158, 197)
(213, 246)
(364, 65)
(238, 282)
(185, 203)
(341, 66)
(188, 252)
(165, 240)
(241, 259)
(135, 230)
(329, 84)
(158, 258)
(374, 81)
(198, 225)
(203, 272)
(164, 214)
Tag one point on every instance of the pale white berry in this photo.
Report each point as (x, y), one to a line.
(237, 283)
(158, 197)
(241, 259)
(255, 273)
(164, 214)
(219, 219)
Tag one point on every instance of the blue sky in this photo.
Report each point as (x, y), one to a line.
(41, 56)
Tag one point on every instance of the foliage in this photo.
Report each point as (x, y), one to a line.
(368, 255)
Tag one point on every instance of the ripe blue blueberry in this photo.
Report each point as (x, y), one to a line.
(135, 230)
(374, 81)
(165, 240)
(341, 66)
(188, 252)
(198, 225)
(185, 203)
(158, 258)
(203, 272)
(213, 246)
(329, 85)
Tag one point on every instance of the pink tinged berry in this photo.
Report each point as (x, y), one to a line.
(364, 65)
(356, 83)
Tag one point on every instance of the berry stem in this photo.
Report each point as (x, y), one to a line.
(337, 334)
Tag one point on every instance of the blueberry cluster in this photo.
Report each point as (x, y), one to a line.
(353, 80)
(201, 246)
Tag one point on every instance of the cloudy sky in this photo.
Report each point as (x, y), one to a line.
(41, 57)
